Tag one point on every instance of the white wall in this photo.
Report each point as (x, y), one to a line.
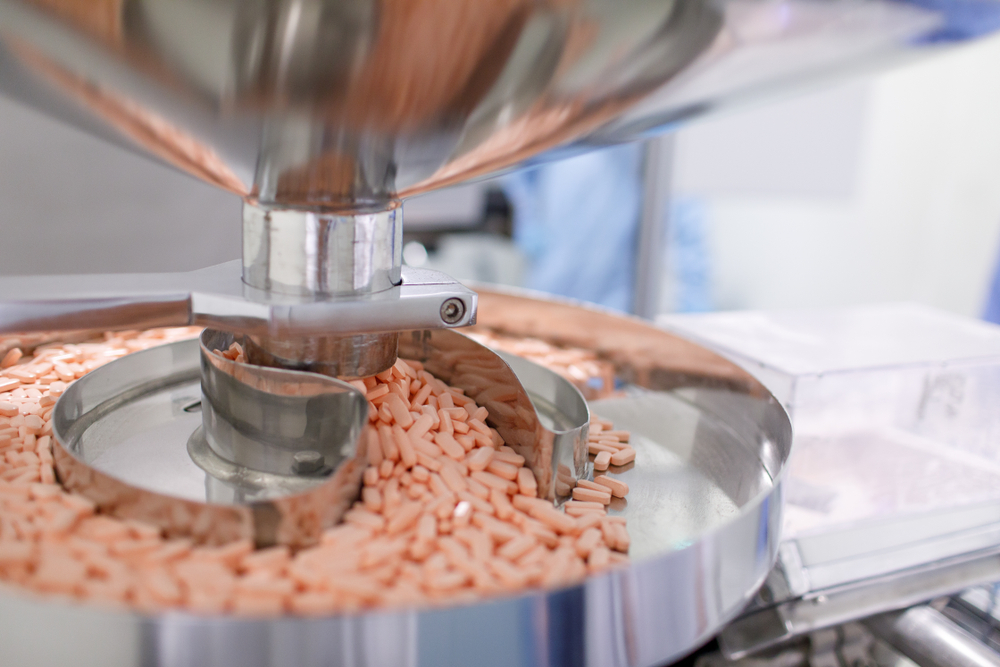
(882, 189)
(70, 203)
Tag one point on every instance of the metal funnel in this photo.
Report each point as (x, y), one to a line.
(348, 104)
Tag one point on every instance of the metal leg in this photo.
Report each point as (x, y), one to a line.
(657, 165)
(930, 639)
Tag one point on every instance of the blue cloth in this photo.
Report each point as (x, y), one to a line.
(577, 220)
(992, 311)
(689, 259)
(961, 19)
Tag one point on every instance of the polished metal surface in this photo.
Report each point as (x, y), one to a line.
(931, 639)
(766, 626)
(321, 113)
(340, 273)
(205, 448)
(341, 105)
(217, 297)
(133, 436)
(319, 254)
(315, 253)
(357, 356)
(704, 510)
(643, 355)
(564, 418)
(268, 420)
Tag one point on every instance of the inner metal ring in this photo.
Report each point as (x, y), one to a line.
(120, 436)
(276, 456)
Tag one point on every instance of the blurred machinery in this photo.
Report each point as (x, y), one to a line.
(891, 493)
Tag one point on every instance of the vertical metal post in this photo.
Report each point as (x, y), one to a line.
(650, 255)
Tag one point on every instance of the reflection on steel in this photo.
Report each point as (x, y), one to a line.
(564, 418)
(308, 253)
(261, 418)
(258, 426)
(349, 104)
(357, 356)
(354, 103)
(642, 354)
(704, 511)
(327, 109)
(320, 255)
(930, 639)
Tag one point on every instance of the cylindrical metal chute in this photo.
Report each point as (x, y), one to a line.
(320, 254)
(313, 252)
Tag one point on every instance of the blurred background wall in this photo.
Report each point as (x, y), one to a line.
(70, 203)
(884, 187)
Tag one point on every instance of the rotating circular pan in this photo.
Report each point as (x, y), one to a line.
(704, 512)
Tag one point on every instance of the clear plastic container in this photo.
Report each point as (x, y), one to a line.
(895, 408)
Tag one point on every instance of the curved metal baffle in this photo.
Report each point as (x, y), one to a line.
(271, 455)
(275, 455)
(270, 431)
(539, 413)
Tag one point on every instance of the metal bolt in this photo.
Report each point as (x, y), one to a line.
(307, 461)
(452, 310)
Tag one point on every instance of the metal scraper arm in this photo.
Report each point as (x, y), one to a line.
(217, 297)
